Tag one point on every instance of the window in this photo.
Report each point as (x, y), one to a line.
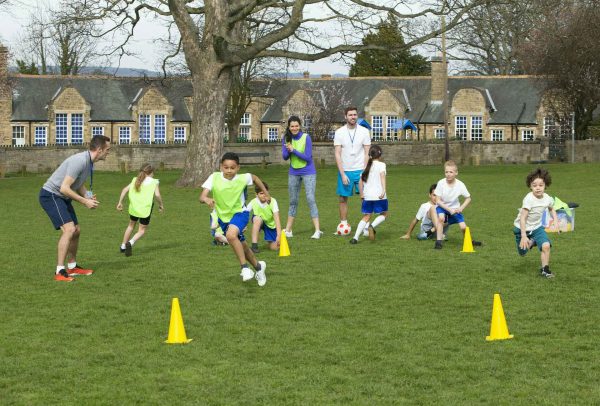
(308, 124)
(160, 129)
(390, 125)
(144, 123)
(440, 133)
(18, 136)
(124, 135)
(41, 136)
(246, 119)
(272, 134)
(476, 128)
(497, 135)
(331, 134)
(244, 133)
(77, 129)
(549, 126)
(461, 127)
(179, 135)
(97, 131)
(377, 128)
(527, 135)
(62, 131)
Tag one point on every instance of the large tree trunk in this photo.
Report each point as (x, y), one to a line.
(205, 145)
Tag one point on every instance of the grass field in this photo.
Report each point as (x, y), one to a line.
(384, 322)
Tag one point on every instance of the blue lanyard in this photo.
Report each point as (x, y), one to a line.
(350, 135)
(91, 171)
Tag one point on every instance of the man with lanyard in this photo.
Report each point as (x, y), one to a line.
(62, 187)
(351, 143)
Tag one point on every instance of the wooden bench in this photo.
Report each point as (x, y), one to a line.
(246, 158)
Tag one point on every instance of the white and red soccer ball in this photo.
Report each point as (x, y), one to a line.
(343, 229)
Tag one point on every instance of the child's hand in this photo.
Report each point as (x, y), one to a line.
(210, 202)
(120, 206)
(405, 237)
(381, 196)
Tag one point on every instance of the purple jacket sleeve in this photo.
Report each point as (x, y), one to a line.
(284, 152)
(307, 155)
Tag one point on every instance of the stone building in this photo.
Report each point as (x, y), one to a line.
(60, 110)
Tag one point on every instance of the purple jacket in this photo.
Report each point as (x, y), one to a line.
(309, 169)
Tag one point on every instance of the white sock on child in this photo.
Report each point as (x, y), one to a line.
(132, 241)
(359, 229)
(380, 219)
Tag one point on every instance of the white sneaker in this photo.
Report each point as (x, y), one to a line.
(247, 274)
(317, 235)
(261, 277)
(288, 234)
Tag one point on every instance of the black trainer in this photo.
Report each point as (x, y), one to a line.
(476, 243)
(122, 250)
(128, 249)
(545, 272)
(354, 241)
(438, 245)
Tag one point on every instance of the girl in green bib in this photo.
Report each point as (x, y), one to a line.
(141, 193)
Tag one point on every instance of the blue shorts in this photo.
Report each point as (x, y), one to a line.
(240, 220)
(270, 233)
(538, 236)
(374, 206)
(59, 209)
(450, 218)
(352, 186)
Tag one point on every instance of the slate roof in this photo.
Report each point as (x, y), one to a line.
(516, 98)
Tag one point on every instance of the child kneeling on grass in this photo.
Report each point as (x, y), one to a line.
(141, 192)
(528, 228)
(229, 200)
(265, 217)
(427, 216)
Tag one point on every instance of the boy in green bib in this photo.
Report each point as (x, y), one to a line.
(266, 218)
(228, 190)
(141, 193)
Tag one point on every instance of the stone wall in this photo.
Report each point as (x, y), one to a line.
(131, 157)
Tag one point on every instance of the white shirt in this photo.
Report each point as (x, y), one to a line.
(352, 143)
(536, 208)
(275, 206)
(373, 187)
(449, 193)
(208, 184)
(423, 216)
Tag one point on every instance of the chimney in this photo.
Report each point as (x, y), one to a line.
(325, 76)
(438, 75)
(306, 74)
(3, 63)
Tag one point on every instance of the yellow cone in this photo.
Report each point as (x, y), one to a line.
(468, 242)
(176, 329)
(498, 329)
(284, 249)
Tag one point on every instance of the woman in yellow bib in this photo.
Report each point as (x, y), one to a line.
(141, 193)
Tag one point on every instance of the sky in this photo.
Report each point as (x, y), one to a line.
(147, 57)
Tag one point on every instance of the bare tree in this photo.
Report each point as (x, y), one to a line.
(566, 53)
(214, 45)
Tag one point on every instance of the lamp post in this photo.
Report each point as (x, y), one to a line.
(445, 101)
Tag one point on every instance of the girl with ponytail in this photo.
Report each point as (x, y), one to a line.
(141, 191)
(372, 190)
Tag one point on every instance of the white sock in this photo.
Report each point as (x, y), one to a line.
(132, 241)
(359, 229)
(72, 265)
(380, 219)
(122, 246)
(59, 268)
(344, 221)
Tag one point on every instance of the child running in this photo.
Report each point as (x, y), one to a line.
(141, 193)
(449, 209)
(266, 218)
(427, 216)
(372, 191)
(528, 228)
(229, 200)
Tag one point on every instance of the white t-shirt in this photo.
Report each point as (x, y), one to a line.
(423, 216)
(352, 143)
(208, 184)
(373, 187)
(536, 208)
(450, 193)
(274, 205)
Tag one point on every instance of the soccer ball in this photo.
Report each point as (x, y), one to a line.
(343, 229)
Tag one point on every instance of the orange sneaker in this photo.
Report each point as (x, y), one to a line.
(79, 271)
(62, 276)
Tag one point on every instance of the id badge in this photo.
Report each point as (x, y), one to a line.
(89, 194)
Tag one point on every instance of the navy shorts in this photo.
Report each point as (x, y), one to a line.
(450, 218)
(145, 221)
(374, 206)
(270, 233)
(59, 209)
(240, 220)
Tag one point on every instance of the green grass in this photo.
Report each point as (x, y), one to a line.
(381, 322)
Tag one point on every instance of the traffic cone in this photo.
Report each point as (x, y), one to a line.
(284, 249)
(176, 329)
(498, 329)
(468, 242)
